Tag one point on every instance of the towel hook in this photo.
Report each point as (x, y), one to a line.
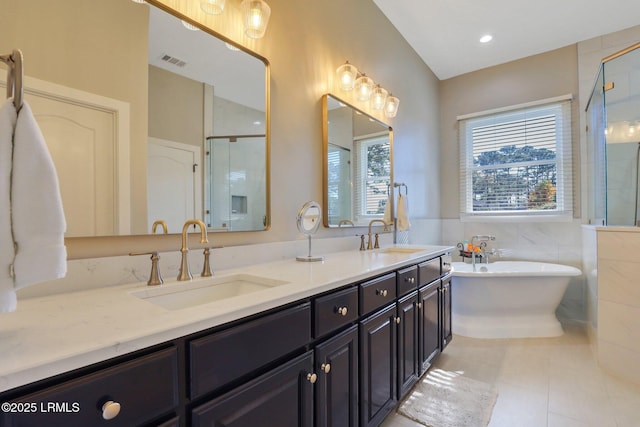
(402, 184)
(14, 61)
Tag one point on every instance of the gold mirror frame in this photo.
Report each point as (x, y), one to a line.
(351, 221)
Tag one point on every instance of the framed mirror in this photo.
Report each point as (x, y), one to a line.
(146, 120)
(358, 165)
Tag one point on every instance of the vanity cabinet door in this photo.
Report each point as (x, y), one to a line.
(281, 397)
(378, 361)
(429, 324)
(234, 353)
(445, 326)
(408, 366)
(337, 386)
(146, 388)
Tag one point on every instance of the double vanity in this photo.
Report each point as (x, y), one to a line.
(338, 342)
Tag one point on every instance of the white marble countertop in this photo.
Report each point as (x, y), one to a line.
(54, 334)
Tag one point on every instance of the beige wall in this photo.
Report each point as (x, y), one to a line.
(304, 44)
(537, 77)
(176, 107)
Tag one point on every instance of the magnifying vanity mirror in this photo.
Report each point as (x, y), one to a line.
(358, 165)
(146, 120)
(308, 221)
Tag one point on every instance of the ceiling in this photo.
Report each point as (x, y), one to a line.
(446, 33)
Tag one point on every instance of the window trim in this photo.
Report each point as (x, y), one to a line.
(565, 182)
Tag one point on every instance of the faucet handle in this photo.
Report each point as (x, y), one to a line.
(206, 267)
(376, 245)
(155, 278)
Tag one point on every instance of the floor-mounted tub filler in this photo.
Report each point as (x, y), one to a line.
(508, 299)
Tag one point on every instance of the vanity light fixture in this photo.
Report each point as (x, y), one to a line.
(347, 74)
(255, 15)
(212, 7)
(349, 78)
(378, 97)
(364, 87)
(391, 106)
(189, 27)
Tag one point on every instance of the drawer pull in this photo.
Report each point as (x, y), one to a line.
(312, 378)
(325, 368)
(110, 410)
(382, 292)
(342, 310)
(411, 280)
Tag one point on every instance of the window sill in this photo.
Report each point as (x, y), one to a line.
(517, 218)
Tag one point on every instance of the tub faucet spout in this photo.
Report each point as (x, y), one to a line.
(483, 239)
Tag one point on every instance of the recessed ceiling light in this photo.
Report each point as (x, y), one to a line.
(486, 38)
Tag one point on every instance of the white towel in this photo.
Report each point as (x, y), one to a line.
(7, 125)
(37, 217)
(387, 211)
(403, 213)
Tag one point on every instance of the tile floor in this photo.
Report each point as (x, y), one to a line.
(542, 382)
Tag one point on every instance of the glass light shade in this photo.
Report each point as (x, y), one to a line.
(347, 75)
(255, 16)
(378, 98)
(212, 7)
(189, 26)
(364, 88)
(391, 106)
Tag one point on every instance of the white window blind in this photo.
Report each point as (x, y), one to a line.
(372, 175)
(517, 162)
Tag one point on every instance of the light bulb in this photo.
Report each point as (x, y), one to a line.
(347, 74)
(255, 15)
(391, 106)
(378, 98)
(364, 87)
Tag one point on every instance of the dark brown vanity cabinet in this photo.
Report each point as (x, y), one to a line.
(343, 358)
(281, 397)
(133, 393)
(378, 366)
(445, 318)
(408, 343)
(336, 391)
(428, 323)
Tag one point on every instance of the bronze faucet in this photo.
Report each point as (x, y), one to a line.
(184, 273)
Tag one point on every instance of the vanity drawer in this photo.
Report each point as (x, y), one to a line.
(335, 310)
(222, 357)
(407, 280)
(377, 292)
(429, 271)
(446, 263)
(145, 388)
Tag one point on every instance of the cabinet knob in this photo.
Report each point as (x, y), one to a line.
(342, 310)
(419, 305)
(411, 280)
(397, 320)
(312, 378)
(326, 367)
(110, 410)
(382, 292)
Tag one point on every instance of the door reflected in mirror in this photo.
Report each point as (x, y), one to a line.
(126, 97)
(358, 165)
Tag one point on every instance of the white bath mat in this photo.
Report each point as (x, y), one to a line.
(447, 399)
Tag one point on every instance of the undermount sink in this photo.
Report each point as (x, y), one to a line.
(401, 250)
(185, 294)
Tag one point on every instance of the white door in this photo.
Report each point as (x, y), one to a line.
(82, 142)
(173, 183)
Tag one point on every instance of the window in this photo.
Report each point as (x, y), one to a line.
(517, 161)
(373, 175)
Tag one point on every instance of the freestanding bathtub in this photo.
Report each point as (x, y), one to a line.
(508, 299)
